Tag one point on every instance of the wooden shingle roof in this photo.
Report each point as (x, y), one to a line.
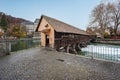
(60, 26)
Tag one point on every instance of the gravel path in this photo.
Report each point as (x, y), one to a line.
(42, 64)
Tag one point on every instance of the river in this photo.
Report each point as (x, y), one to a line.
(24, 44)
(102, 51)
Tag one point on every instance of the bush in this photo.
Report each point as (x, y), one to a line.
(106, 35)
(18, 32)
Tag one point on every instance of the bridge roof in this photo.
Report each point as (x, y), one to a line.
(60, 26)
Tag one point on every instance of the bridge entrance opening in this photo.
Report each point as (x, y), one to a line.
(47, 41)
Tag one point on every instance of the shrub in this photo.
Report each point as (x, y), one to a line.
(106, 35)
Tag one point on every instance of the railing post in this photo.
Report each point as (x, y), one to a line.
(92, 53)
(7, 47)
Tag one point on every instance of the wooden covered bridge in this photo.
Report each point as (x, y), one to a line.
(58, 35)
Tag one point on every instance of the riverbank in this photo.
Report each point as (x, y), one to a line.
(43, 64)
(109, 41)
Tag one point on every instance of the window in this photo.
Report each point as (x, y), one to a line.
(46, 25)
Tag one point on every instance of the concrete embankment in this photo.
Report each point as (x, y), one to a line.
(109, 41)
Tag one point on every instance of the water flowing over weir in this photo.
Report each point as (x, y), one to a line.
(102, 51)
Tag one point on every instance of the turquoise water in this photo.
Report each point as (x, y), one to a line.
(102, 51)
(24, 44)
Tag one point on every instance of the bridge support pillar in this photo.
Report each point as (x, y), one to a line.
(78, 45)
(68, 48)
(74, 48)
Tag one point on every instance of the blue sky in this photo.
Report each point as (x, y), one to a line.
(74, 12)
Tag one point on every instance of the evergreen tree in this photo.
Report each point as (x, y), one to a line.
(3, 22)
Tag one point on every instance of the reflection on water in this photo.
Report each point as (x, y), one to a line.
(24, 44)
(102, 51)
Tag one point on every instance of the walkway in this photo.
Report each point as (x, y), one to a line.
(42, 64)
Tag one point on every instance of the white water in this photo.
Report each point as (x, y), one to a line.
(103, 51)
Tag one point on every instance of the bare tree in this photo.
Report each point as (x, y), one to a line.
(106, 15)
(116, 17)
(90, 30)
(100, 17)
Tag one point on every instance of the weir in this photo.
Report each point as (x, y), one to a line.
(102, 51)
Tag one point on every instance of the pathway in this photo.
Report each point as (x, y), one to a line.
(43, 64)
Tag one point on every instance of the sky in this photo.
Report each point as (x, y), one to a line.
(73, 12)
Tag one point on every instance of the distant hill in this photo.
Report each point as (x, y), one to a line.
(13, 20)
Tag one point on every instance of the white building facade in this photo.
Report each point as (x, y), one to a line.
(30, 26)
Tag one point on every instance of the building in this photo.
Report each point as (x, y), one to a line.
(30, 26)
(1, 32)
(36, 23)
(56, 34)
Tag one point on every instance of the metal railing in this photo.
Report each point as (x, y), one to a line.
(106, 53)
(19, 44)
(24, 44)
